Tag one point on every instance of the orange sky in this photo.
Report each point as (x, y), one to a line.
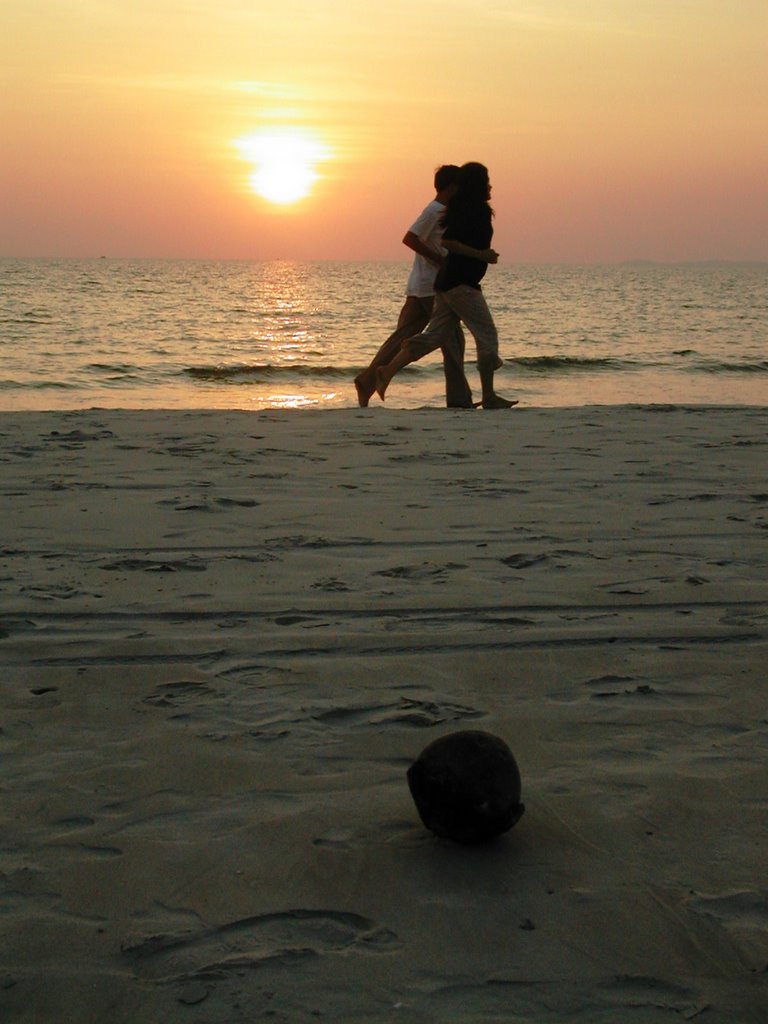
(613, 129)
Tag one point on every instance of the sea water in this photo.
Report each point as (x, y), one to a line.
(250, 335)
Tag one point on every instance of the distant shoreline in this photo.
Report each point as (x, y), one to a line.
(386, 260)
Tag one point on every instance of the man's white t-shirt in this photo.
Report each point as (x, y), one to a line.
(421, 282)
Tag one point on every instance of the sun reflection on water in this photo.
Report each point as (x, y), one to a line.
(288, 401)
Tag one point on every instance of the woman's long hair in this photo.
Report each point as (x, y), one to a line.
(471, 193)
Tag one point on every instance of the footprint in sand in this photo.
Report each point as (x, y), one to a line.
(623, 998)
(408, 711)
(155, 565)
(77, 438)
(177, 694)
(75, 822)
(489, 487)
(525, 560)
(237, 502)
(331, 584)
(285, 937)
(742, 910)
(186, 505)
(424, 571)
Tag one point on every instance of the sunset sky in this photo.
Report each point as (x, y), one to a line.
(613, 129)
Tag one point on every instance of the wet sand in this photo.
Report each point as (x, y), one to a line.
(225, 636)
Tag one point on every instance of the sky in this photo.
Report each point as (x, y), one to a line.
(287, 129)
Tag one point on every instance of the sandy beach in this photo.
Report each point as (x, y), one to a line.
(225, 636)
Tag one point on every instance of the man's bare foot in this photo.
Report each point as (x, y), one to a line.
(497, 402)
(382, 382)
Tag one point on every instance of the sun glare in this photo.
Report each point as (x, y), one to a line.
(285, 162)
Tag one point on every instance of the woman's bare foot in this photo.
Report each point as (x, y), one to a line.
(495, 401)
(382, 382)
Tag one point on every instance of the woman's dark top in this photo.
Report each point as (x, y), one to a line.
(473, 226)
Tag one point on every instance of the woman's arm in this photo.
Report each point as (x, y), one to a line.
(486, 255)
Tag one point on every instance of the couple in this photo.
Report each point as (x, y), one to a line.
(451, 239)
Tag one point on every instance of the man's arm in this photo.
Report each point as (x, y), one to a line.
(414, 242)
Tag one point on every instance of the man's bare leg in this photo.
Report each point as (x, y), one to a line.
(414, 317)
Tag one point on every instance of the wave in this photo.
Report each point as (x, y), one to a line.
(714, 366)
(254, 372)
(560, 365)
(565, 364)
(271, 371)
(28, 319)
(36, 385)
(611, 364)
(125, 368)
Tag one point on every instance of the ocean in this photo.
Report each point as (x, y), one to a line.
(171, 334)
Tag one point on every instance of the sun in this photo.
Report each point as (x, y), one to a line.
(285, 161)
